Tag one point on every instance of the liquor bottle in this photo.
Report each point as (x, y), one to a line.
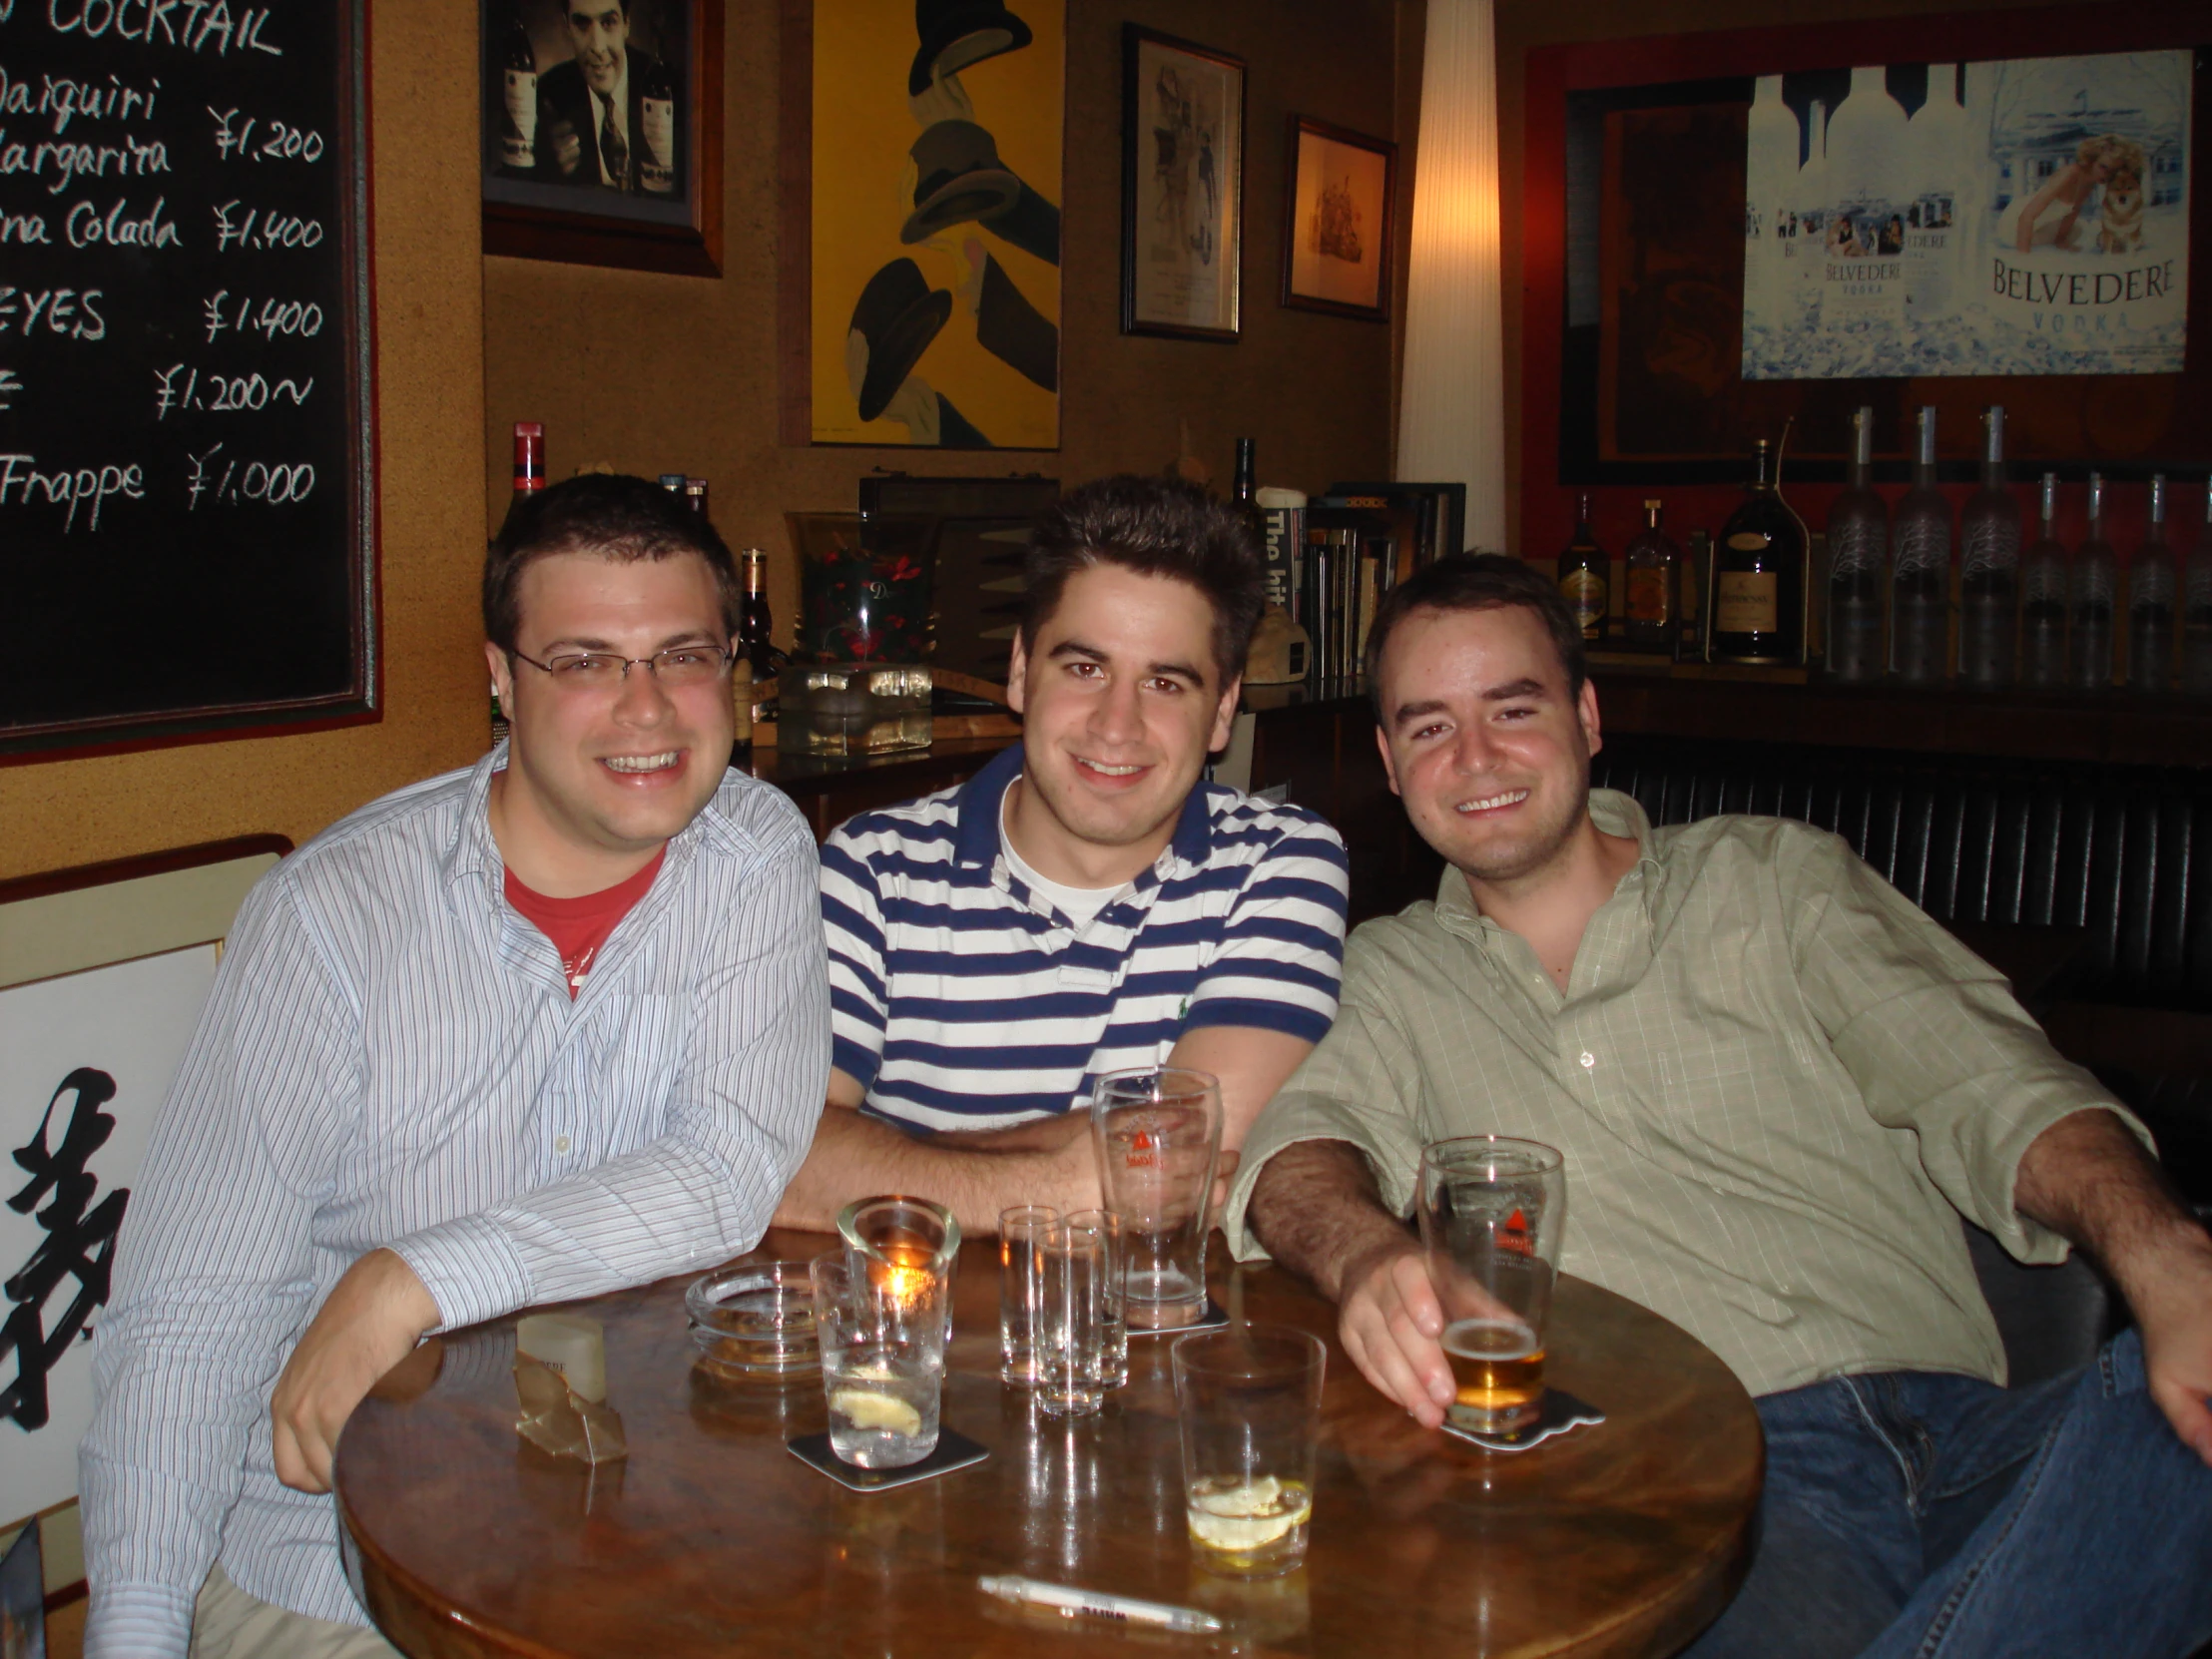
(1697, 577)
(2096, 580)
(1811, 204)
(1771, 161)
(2150, 601)
(657, 116)
(1867, 184)
(1919, 574)
(1858, 545)
(1583, 574)
(1989, 554)
(2043, 599)
(2196, 611)
(754, 621)
(1759, 576)
(1653, 612)
(1935, 141)
(694, 496)
(1244, 491)
(518, 74)
(673, 482)
(529, 479)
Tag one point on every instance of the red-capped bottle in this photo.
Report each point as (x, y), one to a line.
(529, 457)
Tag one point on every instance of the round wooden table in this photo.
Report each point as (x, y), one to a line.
(711, 1539)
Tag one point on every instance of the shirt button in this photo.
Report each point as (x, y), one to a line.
(561, 1143)
(1588, 1059)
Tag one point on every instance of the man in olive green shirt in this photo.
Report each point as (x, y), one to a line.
(1777, 1085)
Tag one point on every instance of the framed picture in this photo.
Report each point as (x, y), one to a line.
(1336, 221)
(602, 132)
(921, 222)
(1181, 186)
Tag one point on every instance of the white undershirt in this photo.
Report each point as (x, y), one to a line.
(1079, 904)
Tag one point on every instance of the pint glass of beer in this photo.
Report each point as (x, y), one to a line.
(1493, 1211)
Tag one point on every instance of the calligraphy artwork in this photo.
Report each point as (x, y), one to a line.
(86, 1060)
(78, 1244)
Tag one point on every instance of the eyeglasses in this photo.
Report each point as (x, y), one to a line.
(673, 669)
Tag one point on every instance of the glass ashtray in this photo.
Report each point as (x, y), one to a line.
(755, 1321)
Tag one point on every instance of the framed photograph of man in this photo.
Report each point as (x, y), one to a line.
(1336, 221)
(1181, 186)
(601, 132)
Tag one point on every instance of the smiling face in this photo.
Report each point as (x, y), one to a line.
(1121, 701)
(601, 777)
(1483, 740)
(598, 35)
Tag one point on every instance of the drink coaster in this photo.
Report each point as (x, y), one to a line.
(954, 1451)
(1562, 1412)
(1212, 1319)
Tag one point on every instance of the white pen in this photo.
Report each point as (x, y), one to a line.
(1100, 1604)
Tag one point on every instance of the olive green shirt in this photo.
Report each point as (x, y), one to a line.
(1777, 1083)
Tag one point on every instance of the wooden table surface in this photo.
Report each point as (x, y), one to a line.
(711, 1539)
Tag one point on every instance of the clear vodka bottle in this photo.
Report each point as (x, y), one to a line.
(1990, 553)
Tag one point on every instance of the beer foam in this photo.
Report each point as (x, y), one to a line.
(1494, 1340)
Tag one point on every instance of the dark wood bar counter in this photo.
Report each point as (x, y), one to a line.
(1624, 1538)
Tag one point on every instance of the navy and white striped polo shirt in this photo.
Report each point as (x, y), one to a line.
(962, 999)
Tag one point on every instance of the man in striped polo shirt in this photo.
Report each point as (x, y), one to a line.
(1084, 903)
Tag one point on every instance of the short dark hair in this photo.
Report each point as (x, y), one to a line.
(610, 516)
(1477, 582)
(1154, 527)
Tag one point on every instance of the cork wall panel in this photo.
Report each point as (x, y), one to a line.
(652, 374)
(429, 333)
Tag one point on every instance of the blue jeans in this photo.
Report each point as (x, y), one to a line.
(1911, 1515)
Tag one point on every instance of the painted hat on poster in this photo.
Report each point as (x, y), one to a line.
(898, 314)
(957, 33)
(959, 177)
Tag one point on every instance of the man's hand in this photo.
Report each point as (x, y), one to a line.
(2173, 1308)
(368, 1324)
(568, 148)
(1389, 1323)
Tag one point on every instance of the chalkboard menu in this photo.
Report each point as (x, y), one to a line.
(187, 533)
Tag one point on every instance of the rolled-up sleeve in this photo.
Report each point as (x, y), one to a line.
(1361, 1085)
(1933, 1038)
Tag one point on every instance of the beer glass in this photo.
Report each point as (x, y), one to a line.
(1493, 1211)
(1247, 1403)
(1158, 1136)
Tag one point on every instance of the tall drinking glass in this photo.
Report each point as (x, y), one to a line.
(883, 1358)
(1113, 1313)
(1021, 1290)
(1248, 1400)
(1071, 1264)
(1158, 1135)
(1492, 1213)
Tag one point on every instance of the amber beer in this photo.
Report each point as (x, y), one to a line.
(1497, 1371)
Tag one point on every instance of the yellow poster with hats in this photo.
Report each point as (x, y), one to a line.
(936, 277)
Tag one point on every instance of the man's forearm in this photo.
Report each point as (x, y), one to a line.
(857, 1157)
(2089, 1180)
(1318, 1210)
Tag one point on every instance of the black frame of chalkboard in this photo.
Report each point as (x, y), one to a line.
(572, 237)
(359, 701)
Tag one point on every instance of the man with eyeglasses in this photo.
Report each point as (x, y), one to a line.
(529, 1031)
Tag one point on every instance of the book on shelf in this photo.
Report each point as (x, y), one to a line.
(1350, 560)
(1427, 520)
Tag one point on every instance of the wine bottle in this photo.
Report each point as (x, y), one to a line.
(1244, 491)
(754, 620)
(518, 74)
(2196, 609)
(1759, 576)
(2043, 599)
(529, 479)
(657, 118)
(2150, 601)
(2096, 580)
(1989, 554)
(1919, 578)
(1653, 613)
(1858, 541)
(1583, 574)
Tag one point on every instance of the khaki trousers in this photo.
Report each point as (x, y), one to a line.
(227, 1623)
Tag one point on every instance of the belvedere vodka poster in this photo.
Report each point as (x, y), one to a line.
(2025, 217)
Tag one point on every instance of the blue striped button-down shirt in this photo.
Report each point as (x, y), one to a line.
(390, 1056)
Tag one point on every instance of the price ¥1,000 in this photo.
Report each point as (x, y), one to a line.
(273, 485)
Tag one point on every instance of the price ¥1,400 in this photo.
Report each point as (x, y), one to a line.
(275, 319)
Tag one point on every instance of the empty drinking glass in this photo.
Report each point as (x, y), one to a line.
(1158, 1136)
(1020, 1290)
(1071, 1263)
(1113, 1321)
